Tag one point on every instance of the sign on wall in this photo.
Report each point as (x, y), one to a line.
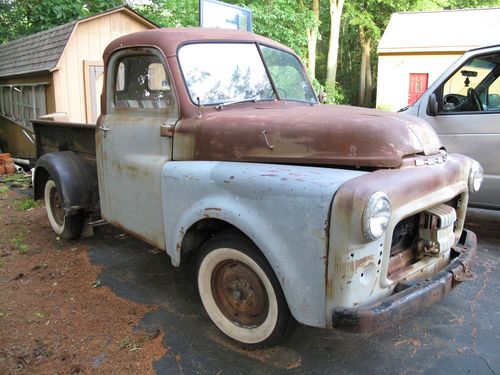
(216, 14)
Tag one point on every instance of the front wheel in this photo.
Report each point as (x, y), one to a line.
(67, 226)
(241, 293)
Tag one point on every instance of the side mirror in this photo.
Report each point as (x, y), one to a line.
(322, 97)
(432, 105)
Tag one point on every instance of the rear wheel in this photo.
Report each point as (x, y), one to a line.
(241, 293)
(67, 226)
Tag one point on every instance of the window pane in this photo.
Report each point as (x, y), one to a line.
(288, 75)
(141, 82)
(468, 88)
(224, 72)
(494, 96)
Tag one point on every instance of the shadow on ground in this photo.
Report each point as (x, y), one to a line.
(459, 335)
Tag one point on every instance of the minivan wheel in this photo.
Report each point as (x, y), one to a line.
(67, 226)
(241, 293)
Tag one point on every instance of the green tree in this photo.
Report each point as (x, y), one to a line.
(336, 9)
(23, 17)
(286, 21)
(171, 13)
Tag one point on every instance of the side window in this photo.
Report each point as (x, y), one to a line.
(475, 87)
(141, 83)
(492, 96)
(288, 75)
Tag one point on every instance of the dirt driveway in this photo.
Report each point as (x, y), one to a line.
(55, 316)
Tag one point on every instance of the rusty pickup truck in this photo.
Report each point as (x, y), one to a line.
(212, 143)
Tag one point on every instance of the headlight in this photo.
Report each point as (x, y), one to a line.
(376, 216)
(475, 177)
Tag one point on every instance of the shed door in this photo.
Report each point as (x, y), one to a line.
(418, 85)
(96, 81)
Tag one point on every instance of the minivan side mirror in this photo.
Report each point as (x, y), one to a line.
(432, 105)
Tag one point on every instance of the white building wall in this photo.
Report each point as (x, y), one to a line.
(394, 75)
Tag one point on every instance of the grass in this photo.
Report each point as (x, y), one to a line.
(129, 344)
(18, 242)
(26, 204)
(37, 318)
(4, 189)
(96, 284)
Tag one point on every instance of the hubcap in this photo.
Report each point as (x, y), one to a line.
(239, 293)
(56, 206)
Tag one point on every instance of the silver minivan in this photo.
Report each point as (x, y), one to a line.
(463, 106)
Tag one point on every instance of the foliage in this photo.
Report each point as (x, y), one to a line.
(26, 204)
(23, 17)
(334, 94)
(18, 242)
(170, 13)
(286, 21)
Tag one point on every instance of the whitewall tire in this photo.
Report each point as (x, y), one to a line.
(241, 293)
(65, 225)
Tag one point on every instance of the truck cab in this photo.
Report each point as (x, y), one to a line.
(212, 143)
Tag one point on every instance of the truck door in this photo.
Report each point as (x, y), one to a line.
(134, 142)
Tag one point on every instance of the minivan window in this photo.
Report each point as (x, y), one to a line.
(475, 87)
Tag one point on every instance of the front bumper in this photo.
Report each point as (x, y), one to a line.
(413, 296)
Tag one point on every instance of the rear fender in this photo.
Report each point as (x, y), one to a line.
(70, 174)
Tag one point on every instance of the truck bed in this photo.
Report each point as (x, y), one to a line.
(54, 136)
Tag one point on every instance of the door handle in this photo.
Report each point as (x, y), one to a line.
(104, 129)
(167, 130)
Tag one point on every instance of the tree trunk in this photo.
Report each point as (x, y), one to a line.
(365, 71)
(312, 39)
(336, 7)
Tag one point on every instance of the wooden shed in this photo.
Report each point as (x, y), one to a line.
(417, 47)
(57, 70)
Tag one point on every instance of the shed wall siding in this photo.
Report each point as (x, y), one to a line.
(12, 137)
(38, 78)
(394, 76)
(87, 43)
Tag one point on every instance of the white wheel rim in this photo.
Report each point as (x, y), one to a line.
(243, 334)
(49, 186)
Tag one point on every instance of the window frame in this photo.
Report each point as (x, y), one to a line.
(111, 82)
(439, 92)
(258, 46)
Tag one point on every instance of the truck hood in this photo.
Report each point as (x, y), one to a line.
(308, 134)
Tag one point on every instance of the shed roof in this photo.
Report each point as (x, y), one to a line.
(441, 31)
(40, 52)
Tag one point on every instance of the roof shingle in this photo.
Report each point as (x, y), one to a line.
(34, 53)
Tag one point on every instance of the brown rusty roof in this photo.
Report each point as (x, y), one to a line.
(168, 40)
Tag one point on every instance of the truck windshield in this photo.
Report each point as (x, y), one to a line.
(218, 73)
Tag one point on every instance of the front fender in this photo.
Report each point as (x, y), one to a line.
(284, 210)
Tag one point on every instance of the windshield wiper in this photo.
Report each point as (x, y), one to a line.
(220, 106)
